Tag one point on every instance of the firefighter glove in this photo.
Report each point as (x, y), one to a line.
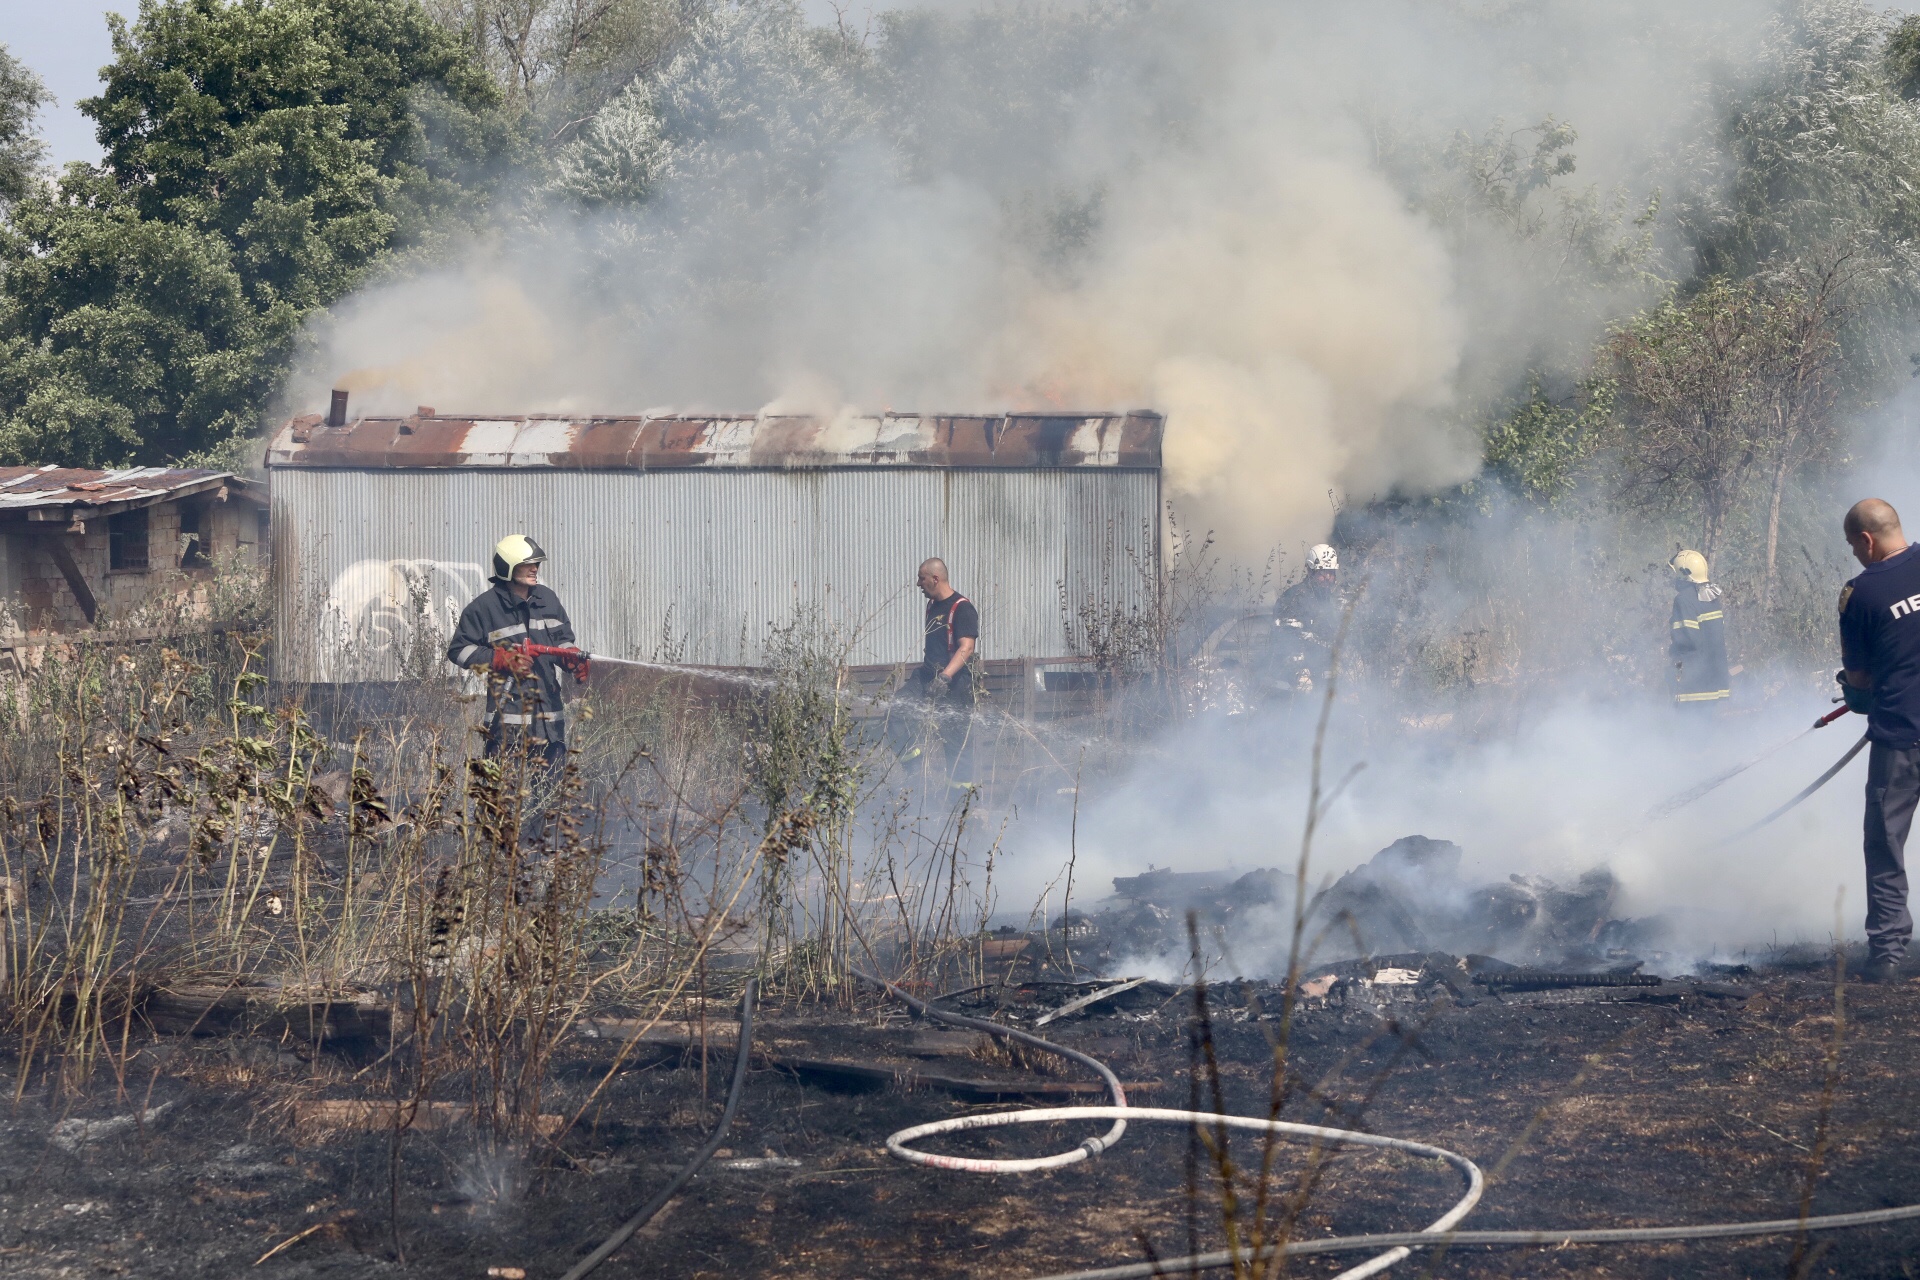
(1859, 701)
(940, 685)
(511, 661)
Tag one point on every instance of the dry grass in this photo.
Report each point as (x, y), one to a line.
(174, 817)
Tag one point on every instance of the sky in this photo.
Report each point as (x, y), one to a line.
(66, 44)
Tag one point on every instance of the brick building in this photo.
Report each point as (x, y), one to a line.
(83, 548)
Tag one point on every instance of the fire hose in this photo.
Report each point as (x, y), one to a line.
(579, 663)
(518, 658)
(1811, 787)
(1395, 1245)
(1673, 804)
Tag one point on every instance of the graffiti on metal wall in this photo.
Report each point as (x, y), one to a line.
(391, 619)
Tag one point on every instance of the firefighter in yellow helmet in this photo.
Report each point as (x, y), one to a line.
(496, 628)
(1697, 643)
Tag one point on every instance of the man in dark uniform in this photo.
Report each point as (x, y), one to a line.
(1880, 649)
(944, 678)
(1306, 619)
(1697, 638)
(523, 689)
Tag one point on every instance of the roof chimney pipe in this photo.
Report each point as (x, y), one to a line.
(337, 413)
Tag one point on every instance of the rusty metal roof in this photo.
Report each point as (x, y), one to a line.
(682, 441)
(53, 493)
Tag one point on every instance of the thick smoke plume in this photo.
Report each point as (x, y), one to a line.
(1326, 242)
(1201, 209)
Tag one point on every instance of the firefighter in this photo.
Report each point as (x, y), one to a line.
(1306, 619)
(523, 690)
(1880, 678)
(1697, 639)
(944, 679)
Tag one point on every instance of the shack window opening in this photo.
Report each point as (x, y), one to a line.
(193, 543)
(127, 540)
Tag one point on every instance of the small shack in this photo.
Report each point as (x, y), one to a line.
(79, 548)
(692, 537)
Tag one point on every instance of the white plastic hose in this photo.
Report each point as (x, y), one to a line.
(1502, 1239)
(1091, 1147)
(1397, 1245)
(897, 1144)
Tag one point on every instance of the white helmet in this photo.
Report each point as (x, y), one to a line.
(513, 551)
(1322, 558)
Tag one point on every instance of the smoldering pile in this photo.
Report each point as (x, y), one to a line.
(1409, 898)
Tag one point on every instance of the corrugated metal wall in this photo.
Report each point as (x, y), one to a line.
(713, 558)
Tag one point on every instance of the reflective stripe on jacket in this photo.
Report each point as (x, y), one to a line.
(1698, 645)
(530, 707)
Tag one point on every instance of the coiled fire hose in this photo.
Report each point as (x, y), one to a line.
(625, 1230)
(1120, 1113)
(1396, 1245)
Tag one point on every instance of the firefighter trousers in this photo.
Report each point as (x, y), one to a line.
(919, 717)
(1893, 791)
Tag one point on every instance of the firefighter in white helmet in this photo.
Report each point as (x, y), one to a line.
(1697, 672)
(1307, 617)
(497, 632)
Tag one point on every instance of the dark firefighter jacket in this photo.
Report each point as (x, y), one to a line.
(1307, 618)
(1699, 645)
(1317, 606)
(515, 707)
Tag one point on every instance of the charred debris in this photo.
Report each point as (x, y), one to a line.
(1405, 928)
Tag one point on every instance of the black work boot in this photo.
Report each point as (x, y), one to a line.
(1881, 969)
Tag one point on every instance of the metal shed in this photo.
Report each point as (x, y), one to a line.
(691, 536)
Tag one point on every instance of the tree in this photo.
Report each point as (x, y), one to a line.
(122, 336)
(21, 151)
(262, 156)
(291, 129)
(1539, 446)
(620, 156)
(1689, 409)
(749, 115)
(1816, 148)
(560, 61)
(1799, 370)
(1740, 377)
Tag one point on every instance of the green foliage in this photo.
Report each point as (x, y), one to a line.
(1903, 58)
(560, 60)
(1499, 176)
(1818, 149)
(621, 155)
(21, 151)
(1736, 382)
(261, 157)
(1539, 446)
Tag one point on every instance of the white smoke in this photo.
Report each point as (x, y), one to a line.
(1055, 205)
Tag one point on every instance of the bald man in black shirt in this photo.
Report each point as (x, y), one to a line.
(1880, 652)
(944, 679)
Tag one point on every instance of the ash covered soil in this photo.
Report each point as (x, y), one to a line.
(1633, 1108)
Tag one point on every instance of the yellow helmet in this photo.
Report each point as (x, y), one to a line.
(1690, 563)
(513, 551)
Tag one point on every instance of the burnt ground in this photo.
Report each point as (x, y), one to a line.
(1690, 1107)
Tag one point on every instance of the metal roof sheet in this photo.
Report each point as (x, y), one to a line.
(41, 492)
(681, 441)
